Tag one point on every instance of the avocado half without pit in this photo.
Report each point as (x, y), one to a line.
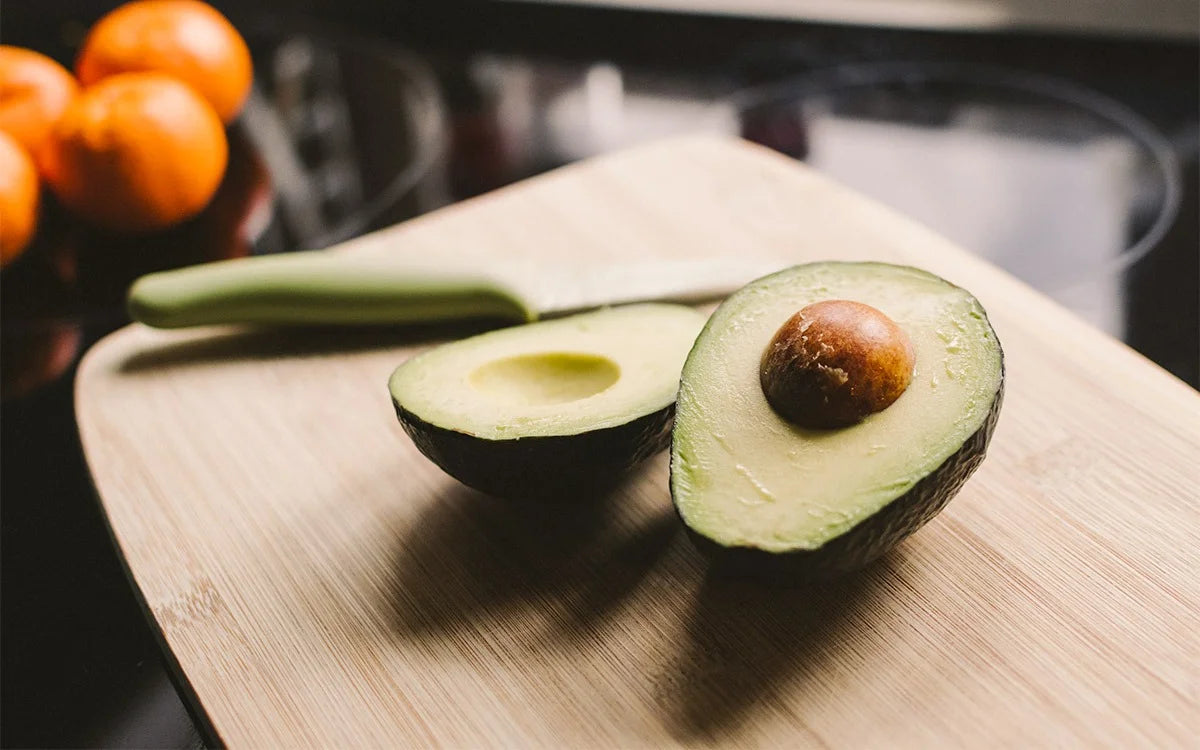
(552, 410)
(828, 411)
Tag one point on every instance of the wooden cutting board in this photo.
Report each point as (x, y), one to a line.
(321, 584)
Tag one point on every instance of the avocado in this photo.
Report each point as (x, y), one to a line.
(810, 438)
(559, 409)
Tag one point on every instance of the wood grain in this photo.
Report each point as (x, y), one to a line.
(321, 584)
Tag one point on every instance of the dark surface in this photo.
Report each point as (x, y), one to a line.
(80, 666)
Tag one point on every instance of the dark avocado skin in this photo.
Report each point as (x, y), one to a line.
(558, 468)
(873, 537)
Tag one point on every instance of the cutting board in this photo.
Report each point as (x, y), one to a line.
(320, 584)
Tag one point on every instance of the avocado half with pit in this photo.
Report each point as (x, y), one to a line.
(552, 410)
(892, 411)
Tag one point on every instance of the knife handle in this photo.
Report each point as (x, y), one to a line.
(317, 288)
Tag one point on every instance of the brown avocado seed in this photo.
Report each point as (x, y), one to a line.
(835, 362)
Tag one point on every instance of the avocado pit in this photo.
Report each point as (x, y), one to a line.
(834, 363)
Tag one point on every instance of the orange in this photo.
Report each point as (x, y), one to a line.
(18, 199)
(34, 91)
(137, 152)
(185, 38)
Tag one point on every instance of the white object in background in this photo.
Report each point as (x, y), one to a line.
(600, 115)
(1054, 214)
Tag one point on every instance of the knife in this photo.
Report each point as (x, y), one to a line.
(331, 287)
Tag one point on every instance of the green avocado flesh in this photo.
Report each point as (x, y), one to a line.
(547, 407)
(742, 477)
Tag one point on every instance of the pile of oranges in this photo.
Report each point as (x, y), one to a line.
(134, 141)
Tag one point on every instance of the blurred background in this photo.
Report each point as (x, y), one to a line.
(1057, 138)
